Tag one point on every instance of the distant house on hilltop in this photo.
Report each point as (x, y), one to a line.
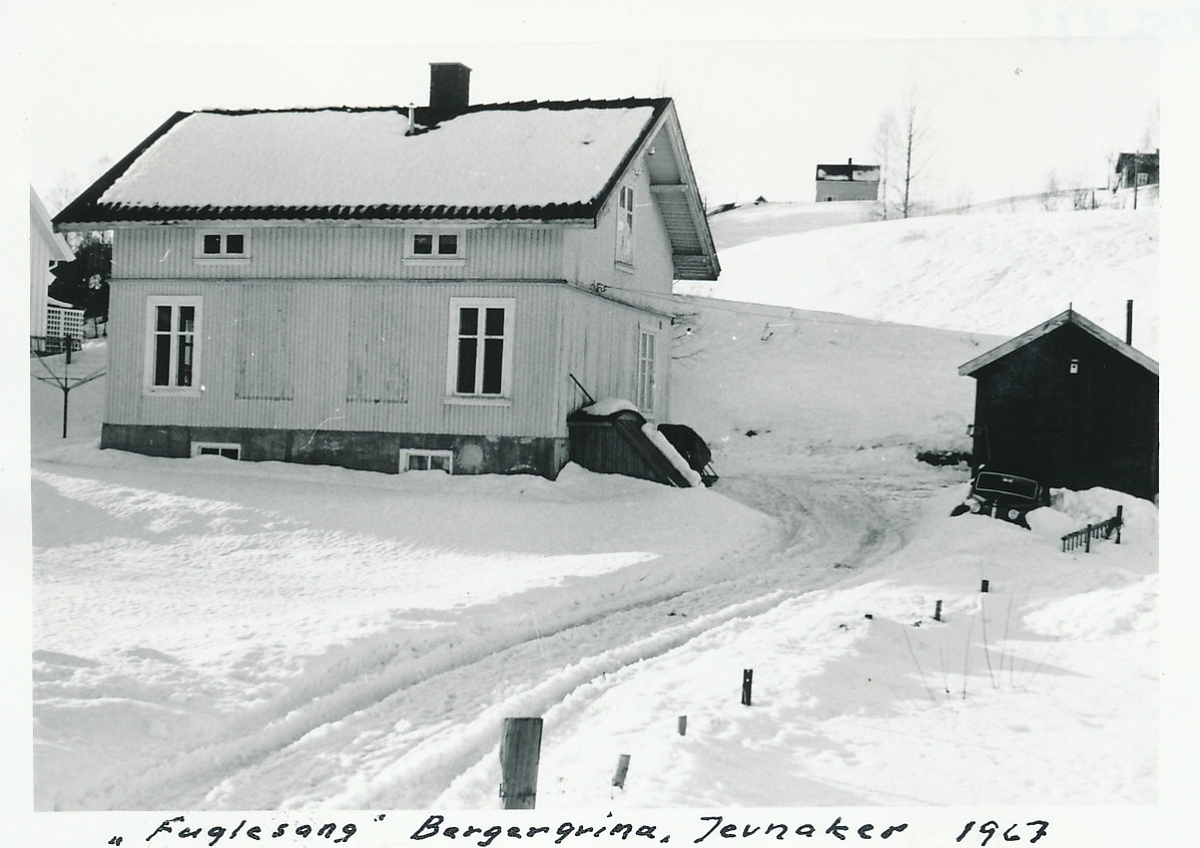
(1070, 405)
(1136, 169)
(394, 288)
(847, 182)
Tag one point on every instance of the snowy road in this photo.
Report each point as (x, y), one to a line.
(392, 719)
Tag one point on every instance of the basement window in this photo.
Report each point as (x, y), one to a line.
(414, 459)
(228, 450)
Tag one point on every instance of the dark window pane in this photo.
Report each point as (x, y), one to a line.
(235, 243)
(162, 318)
(465, 384)
(448, 245)
(229, 453)
(494, 323)
(210, 451)
(468, 322)
(162, 360)
(187, 319)
(212, 244)
(423, 244)
(493, 366)
(184, 370)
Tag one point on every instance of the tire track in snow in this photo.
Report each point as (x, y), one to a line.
(353, 710)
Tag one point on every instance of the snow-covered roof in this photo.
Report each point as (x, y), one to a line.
(40, 227)
(1045, 328)
(532, 160)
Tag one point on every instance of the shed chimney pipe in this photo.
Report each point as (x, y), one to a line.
(1129, 322)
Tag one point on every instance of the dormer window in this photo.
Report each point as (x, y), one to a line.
(434, 245)
(222, 246)
(625, 226)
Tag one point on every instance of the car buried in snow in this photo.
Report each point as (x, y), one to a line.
(1009, 497)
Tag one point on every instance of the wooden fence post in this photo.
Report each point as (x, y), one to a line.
(1087, 540)
(747, 684)
(622, 770)
(1120, 521)
(984, 586)
(683, 725)
(520, 754)
(937, 612)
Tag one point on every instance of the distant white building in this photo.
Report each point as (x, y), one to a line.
(46, 248)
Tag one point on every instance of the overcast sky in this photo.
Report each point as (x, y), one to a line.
(758, 113)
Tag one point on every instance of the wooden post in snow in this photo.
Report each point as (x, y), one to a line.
(683, 725)
(747, 685)
(622, 770)
(984, 586)
(937, 612)
(520, 754)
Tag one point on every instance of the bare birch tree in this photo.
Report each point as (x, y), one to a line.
(887, 143)
(914, 135)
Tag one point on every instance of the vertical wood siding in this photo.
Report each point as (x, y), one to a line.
(600, 347)
(359, 356)
(363, 253)
(589, 256)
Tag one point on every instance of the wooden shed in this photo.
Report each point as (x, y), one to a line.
(1070, 405)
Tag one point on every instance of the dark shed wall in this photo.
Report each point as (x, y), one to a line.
(1096, 427)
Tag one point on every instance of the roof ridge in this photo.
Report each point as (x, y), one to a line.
(522, 105)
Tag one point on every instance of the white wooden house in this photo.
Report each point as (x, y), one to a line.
(394, 288)
(47, 316)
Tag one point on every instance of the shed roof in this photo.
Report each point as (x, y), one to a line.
(1070, 316)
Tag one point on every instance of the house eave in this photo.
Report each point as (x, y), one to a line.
(339, 223)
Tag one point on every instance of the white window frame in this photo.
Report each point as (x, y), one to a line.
(1143, 178)
(444, 458)
(152, 335)
(624, 245)
(504, 397)
(224, 257)
(458, 257)
(646, 371)
(198, 449)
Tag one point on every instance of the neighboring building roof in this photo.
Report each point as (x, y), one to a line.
(1063, 318)
(849, 171)
(1127, 159)
(40, 227)
(533, 160)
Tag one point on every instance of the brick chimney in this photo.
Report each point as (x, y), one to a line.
(449, 86)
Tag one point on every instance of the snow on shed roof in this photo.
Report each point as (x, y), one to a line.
(533, 160)
(1045, 328)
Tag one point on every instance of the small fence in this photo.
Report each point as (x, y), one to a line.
(1084, 537)
(53, 345)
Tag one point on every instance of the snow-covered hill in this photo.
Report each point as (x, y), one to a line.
(217, 635)
(987, 273)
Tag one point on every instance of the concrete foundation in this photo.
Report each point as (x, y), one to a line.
(349, 449)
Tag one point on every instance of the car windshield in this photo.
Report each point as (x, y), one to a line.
(1006, 484)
